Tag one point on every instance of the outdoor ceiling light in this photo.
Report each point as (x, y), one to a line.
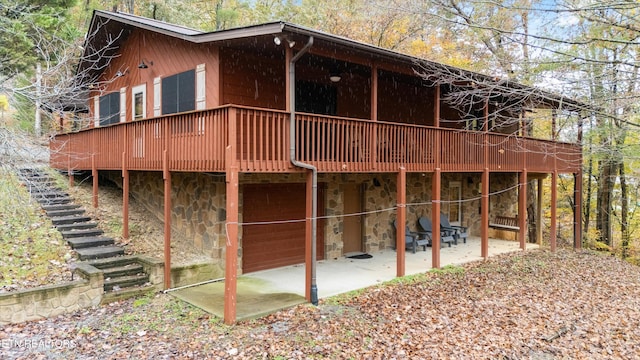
(334, 76)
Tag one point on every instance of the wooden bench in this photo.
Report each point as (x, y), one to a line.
(506, 223)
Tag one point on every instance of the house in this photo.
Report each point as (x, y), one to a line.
(253, 142)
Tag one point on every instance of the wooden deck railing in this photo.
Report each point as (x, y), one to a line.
(196, 141)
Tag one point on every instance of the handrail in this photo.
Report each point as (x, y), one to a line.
(333, 144)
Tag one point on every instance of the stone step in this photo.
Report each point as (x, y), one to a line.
(127, 293)
(89, 242)
(63, 213)
(99, 252)
(60, 207)
(54, 201)
(69, 220)
(49, 194)
(39, 178)
(81, 233)
(126, 270)
(113, 262)
(125, 281)
(40, 187)
(77, 226)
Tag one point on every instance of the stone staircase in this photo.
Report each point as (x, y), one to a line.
(122, 274)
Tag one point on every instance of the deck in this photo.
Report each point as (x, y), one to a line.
(197, 142)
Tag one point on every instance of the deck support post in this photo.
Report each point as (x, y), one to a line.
(308, 243)
(553, 223)
(231, 256)
(401, 222)
(166, 176)
(577, 211)
(232, 204)
(94, 178)
(484, 215)
(522, 209)
(484, 202)
(435, 218)
(539, 212)
(373, 148)
(125, 197)
(69, 172)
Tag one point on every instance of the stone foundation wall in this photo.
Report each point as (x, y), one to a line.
(193, 274)
(503, 201)
(199, 201)
(504, 195)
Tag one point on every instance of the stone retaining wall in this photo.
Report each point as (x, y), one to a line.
(53, 300)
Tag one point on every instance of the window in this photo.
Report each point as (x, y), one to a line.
(139, 102)
(109, 108)
(179, 92)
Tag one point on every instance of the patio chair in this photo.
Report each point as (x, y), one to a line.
(459, 232)
(414, 239)
(446, 236)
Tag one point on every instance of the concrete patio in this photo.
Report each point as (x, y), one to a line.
(267, 291)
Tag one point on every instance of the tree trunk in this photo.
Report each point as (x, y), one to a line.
(624, 211)
(587, 202)
(531, 213)
(605, 185)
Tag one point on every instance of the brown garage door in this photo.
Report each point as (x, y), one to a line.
(275, 245)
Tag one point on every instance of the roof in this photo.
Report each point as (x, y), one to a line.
(122, 24)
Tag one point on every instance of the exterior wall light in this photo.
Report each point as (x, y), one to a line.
(143, 65)
(278, 40)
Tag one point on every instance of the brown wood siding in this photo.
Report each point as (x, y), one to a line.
(252, 79)
(354, 91)
(169, 56)
(450, 117)
(276, 245)
(405, 103)
(354, 97)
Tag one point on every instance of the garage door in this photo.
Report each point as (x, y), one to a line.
(276, 245)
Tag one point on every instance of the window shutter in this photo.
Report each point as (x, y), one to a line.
(156, 97)
(96, 111)
(104, 110)
(170, 93)
(186, 98)
(123, 104)
(201, 99)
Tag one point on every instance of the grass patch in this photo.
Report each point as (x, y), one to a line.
(344, 298)
(33, 251)
(449, 269)
(408, 279)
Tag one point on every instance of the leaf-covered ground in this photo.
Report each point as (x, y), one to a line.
(534, 304)
(32, 251)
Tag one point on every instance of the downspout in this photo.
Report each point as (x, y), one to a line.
(292, 154)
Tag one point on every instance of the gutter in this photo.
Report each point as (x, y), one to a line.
(292, 154)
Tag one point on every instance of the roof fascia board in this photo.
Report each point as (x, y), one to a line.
(233, 34)
(214, 36)
(115, 17)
